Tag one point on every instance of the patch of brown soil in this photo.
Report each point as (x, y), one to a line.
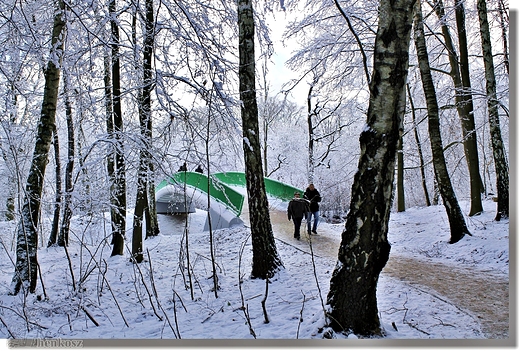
(484, 294)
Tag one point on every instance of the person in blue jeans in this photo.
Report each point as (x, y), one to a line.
(313, 196)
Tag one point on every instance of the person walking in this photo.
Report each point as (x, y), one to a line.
(297, 210)
(183, 168)
(313, 196)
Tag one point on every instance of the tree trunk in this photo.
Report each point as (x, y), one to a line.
(265, 256)
(12, 106)
(152, 224)
(464, 102)
(150, 213)
(310, 129)
(503, 13)
(111, 157)
(63, 239)
(457, 223)
(57, 204)
(119, 219)
(501, 167)
(140, 204)
(419, 148)
(364, 248)
(26, 269)
(470, 132)
(401, 206)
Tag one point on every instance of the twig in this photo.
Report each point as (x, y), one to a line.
(10, 333)
(266, 318)
(301, 317)
(157, 298)
(221, 309)
(136, 265)
(114, 297)
(253, 297)
(317, 280)
(90, 316)
(23, 317)
(70, 267)
(251, 330)
(244, 308)
(41, 280)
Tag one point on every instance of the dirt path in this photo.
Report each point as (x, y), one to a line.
(484, 294)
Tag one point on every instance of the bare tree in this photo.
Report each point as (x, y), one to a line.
(364, 248)
(324, 126)
(119, 185)
(265, 256)
(58, 196)
(63, 238)
(26, 269)
(501, 167)
(504, 18)
(145, 119)
(458, 228)
(464, 101)
(419, 147)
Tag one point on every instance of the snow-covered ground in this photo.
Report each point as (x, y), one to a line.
(161, 299)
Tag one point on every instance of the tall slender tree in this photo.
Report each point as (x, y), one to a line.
(26, 268)
(458, 228)
(497, 144)
(145, 120)
(364, 248)
(265, 255)
(504, 18)
(119, 185)
(464, 101)
(419, 147)
(59, 194)
(63, 238)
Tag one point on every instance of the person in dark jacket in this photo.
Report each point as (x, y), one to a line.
(297, 210)
(313, 196)
(183, 168)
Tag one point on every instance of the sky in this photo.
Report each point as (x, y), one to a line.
(155, 302)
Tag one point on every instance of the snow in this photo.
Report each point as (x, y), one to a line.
(153, 300)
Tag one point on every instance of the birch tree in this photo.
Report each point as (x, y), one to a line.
(26, 268)
(499, 156)
(364, 248)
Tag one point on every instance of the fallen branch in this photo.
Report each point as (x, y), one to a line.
(90, 316)
(221, 309)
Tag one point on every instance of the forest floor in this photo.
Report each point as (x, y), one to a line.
(483, 294)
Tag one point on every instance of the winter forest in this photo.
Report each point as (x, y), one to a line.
(385, 105)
